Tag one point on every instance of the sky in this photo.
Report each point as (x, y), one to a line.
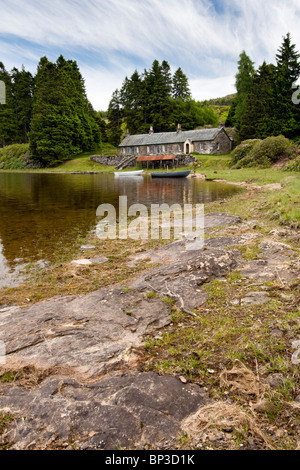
(110, 39)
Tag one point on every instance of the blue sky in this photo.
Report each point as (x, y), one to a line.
(109, 39)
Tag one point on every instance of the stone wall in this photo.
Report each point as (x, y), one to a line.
(111, 160)
(223, 144)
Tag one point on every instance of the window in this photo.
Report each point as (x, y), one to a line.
(163, 148)
(137, 150)
(148, 149)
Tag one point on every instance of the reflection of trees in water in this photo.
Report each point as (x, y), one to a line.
(44, 213)
(40, 213)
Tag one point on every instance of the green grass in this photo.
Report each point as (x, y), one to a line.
(81, 163)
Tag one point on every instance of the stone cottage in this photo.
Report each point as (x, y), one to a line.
(204, 141)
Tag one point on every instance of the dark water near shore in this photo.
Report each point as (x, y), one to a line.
(42, 214)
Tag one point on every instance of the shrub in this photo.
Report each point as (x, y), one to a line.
(242, 150)
(15, 157)
(266, 152)
(293, 165)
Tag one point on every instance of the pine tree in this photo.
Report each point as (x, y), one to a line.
(159, 81)
(131, 100)
(180, 88)
(288, 72)
(22, 91)
(62, 124)
(114, 115)
(258, 119)
(8, 121)
(243, 83)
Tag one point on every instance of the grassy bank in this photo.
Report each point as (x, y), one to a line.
(17, 158)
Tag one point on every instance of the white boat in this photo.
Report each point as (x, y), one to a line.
(129, 173)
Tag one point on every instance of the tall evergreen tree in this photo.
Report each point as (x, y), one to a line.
(159, 81)
(288, 72)
(22, 90)
(131, 100)
(243, 84)
(114, 115)
(61, 124)
(180, 86)
(258, 119)
(8, 122)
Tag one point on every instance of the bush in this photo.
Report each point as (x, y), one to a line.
(265, 152)
(242, 150)
(15, 157)
(293, 165)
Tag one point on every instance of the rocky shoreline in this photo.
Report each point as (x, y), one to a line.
(90, 388)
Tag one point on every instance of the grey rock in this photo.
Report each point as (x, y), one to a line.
(187, 272)
(99, 260)
(87, 247)
(255, 298)
(88, 333)
(123, 411)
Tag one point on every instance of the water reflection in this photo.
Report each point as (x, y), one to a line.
(42, 214)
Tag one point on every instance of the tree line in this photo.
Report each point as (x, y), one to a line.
(263, 105)
(49, 110)
(155, 98)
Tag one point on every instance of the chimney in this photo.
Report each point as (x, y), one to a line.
(127, 133)
(179, 128)
(151, 131)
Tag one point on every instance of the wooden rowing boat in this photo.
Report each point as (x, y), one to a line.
(174, 174)
(129, 173)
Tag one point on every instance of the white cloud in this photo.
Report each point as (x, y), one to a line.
(109, 38)
(203, 89)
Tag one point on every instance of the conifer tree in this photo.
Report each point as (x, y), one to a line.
(131, 100)
(180, 88)
(22, 91)
(62, 124)
(243, 83)
(258, 120)
(159, 80)
(288, 72)
(8, 122)
(114, 115)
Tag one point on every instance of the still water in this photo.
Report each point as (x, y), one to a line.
(42, 214)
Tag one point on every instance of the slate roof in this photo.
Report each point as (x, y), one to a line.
(198, 135)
